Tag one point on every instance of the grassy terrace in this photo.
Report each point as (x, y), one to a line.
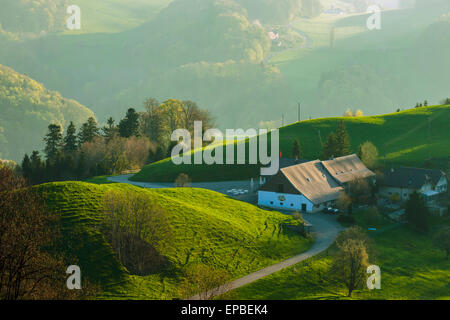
(404, 138)
(207, 227)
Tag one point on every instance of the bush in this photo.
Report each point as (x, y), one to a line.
(345, 218)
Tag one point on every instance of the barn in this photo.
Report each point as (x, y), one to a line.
(312, 186)
(306, 187)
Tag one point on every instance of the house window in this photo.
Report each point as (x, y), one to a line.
(281, 203)
(271, 202)
(292, 204)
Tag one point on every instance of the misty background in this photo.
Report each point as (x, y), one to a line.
(249, 62)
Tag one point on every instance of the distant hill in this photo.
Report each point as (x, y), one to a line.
(404, 138)
(208, 227)
(32, 16)
(26, 110)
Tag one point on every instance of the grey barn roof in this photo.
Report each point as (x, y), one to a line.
(348, 168)
(411, 178)
(313, 181)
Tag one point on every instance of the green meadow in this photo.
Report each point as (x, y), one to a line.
(402, 138)
(207, 228)
(411, 268)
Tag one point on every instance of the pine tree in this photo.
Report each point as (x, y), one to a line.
(416, 212)
(129, 126)
(53, 141)
(330, 147)
(70, 140)
(296, 151)
(37, 167)
(26, 167)
(88, 131)
(342, 140)
(110, 130)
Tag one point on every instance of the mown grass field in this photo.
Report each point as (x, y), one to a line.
(403, 138)
(207, 227)
(411, 268)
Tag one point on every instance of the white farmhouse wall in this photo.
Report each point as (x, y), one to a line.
(442, 185)
(292, 201)
(403, 194)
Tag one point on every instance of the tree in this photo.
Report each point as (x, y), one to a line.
(348, 113)
(204, 282)
(70, 140)
(110, 130)
(352, 259)
(53, 141)
(416, 212)
(137, 228)
(330, 147)
(368, 154)
(359, 113)
(373, 216)
(350, 264)
(296, 150)
(342, 140)
(27, 271)
(129, 126)
(442, 240)
(88, 131)
(344, 201)
(151, 121)
(26, 167)
(182, 181)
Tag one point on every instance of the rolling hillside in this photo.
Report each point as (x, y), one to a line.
(404, 138)
(411, 269)
(26, 109)
(207, 227)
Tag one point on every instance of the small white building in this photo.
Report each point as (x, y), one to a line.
(306, 187)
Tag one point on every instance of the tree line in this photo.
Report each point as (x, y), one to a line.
(138, 139)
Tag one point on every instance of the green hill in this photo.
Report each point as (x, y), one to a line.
(403, 138)
(411, 269)
(27, 108)
(207, 227)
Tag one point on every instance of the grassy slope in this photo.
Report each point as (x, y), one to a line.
(411, 268)
(392, 50)
(402, 137)
(207, 226)
(116, 15)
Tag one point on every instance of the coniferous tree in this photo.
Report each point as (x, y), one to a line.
(342, 140)
(26, 167)
(416, 212)
(296, 150)
(110, 130)
(70, 140)
(330, 147)
(129, 126)
(88, 131)
(53, 141)
(37, 167)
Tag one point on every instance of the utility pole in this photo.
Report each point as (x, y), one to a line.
(282, 120)
(299, 112)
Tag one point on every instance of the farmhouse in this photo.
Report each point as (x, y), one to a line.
(312, 186)
(348, 169)
(307, 187)
(403, 181)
